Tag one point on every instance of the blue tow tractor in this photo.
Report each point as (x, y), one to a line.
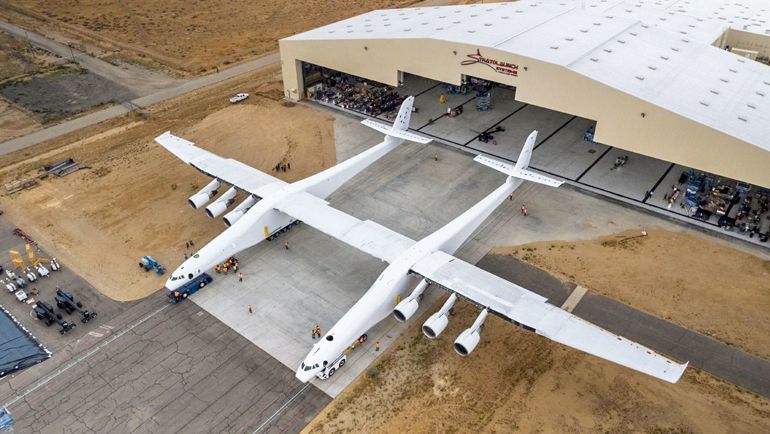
(179, 294)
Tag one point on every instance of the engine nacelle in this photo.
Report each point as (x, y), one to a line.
(409, 305)
(234, 215)
(204, 195)
(222, 203)
(437, 322)
(469, 338)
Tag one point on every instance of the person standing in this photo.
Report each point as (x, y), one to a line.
(286, 244)
(250, 309)
(377, 346)
(240, 277)
(524, 210)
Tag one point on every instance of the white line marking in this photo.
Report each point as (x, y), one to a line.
(574, 298)
(269, 419)
(45, 381)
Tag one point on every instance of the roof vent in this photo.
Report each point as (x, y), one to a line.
(640, 77)
(620, 41)
(584, 30)
(569, 39)
(732, 70)
(740, 60)
(760, 93)
(554, 47)
(685, 40)
(633, 33)
(386, 25)
(766, 83)
(439, 28)
(471, 31)
(597, 24)
(664, 57)
(488, 24)
(704, 103)
(714, 91)
(751, 106)
(674, 49)
(653, 68)
(724, 80)
(594, 59)
(743, 118)
(505, 17)
(607, 50)
(645, 26)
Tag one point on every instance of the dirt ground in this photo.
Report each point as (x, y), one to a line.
(685, 278)
(518, 381)
(133, 200)
(14, 122)
(190, 37)
(58, 95)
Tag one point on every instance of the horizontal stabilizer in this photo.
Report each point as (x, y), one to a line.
(390, 131)
(524, 174)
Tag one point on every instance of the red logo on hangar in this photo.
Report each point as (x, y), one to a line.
(497, 65)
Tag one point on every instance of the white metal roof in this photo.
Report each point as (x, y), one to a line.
(657, 50)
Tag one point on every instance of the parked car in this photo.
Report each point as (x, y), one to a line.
(239, 97)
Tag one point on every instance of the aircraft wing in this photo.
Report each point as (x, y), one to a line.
(532, 312)
(365, 235)
(228, 170)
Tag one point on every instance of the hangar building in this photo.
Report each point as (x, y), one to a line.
(677, 80)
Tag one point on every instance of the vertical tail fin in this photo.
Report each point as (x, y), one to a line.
(404, 115)
(520, 169)
(400, 128)
(526, 152)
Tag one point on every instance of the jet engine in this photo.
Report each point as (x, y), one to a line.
(469, 339)
(439, 320)
(409, 305)
(222, 203)
(204, 195)
(234, 215)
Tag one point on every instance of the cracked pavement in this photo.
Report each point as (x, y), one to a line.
(181, 370)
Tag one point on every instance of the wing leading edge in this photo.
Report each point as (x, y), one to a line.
(530, 310)
(231, 171)
(365, 235)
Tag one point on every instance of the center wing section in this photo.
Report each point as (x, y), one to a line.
(532, 312)
(231, 171)
(365, 235)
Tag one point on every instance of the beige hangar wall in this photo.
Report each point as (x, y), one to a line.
(660, 133)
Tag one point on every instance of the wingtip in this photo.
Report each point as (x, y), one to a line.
(677, 373)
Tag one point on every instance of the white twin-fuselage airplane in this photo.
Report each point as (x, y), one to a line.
(413, 265)
(255, 220)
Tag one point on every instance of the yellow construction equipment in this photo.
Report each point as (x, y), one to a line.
(34, 259)
(16, 260)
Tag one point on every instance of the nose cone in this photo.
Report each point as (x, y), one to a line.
(172, 285)
(306, 376)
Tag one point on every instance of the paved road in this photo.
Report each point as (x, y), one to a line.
(140, 81)
(703, 352)
(152, 87)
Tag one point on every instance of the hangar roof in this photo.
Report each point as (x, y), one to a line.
(657, 50)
